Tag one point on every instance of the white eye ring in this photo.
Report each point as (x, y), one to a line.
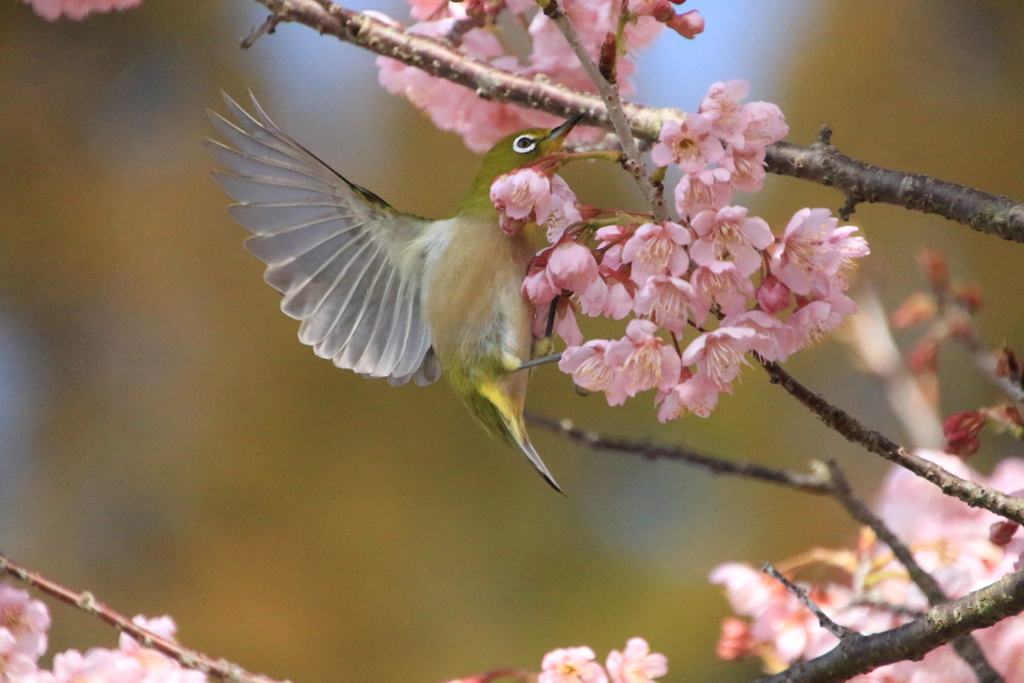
(524, 144)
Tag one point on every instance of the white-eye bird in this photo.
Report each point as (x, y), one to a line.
(387, 293)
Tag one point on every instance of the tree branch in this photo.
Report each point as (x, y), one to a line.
(85, 601)
(863, 182)
(820, 163)
(912, 641)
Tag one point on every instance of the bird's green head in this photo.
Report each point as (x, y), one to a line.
(515, 151)
(525, 147)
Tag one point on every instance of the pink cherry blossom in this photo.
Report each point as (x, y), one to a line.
(77, 9)
(572, 266)
(696, 394)
(819, 318)
(656, 249)
(702, 191)
(612, 238)
(571, 665)
(773, 296)
(98, 665)
(646, 361)
(539, 287)
(671, 301)
(745, 166)
(810, 254)
(719, 354)
(517, 196)
(722, 106)
(765, 123)
(26, 620)
(161, 626)
(636, 664)
(560, 211)
(15, 664)
(722, 283)
(773, 339)
(590, 368)
(609, 295)
(566, 326)
(730, 232)
(689, 144)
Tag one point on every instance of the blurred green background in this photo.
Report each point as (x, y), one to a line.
(168, 443)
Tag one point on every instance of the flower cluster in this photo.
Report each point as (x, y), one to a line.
(470, 26)
(719, 272)
(23, 640)
(964, 548)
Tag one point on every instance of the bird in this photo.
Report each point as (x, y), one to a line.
(386, 293)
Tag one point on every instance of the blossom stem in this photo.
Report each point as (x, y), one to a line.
(609, 90)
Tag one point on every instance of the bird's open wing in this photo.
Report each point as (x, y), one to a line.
(339, 254)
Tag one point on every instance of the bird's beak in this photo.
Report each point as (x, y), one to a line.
(556, 138)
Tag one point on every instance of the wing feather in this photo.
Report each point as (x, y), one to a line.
(337, 253)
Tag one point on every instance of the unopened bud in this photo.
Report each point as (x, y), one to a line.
(688, 24)
(970, 296)
(606, 64)
(662, 11)
(773, 296)
(1001, 533)
(961, 431)
(924, 357)
(935, 268)
(918, 308)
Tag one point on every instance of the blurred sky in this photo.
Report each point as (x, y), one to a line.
(170, 445)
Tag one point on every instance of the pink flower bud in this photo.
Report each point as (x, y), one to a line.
(773, 296)
(662, 11)
(688, 24)
(961, 431)
(1001, 533)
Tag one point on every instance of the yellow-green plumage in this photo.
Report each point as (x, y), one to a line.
(386, 293)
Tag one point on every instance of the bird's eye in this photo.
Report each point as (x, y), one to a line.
(524, 144)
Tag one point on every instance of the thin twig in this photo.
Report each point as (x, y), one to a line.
(609, 90)
(975, 495)
(966, 646)
(913, 640)
(838, 630)
(85, 601)
(820, 163)
(268, 26)
(801, 481)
